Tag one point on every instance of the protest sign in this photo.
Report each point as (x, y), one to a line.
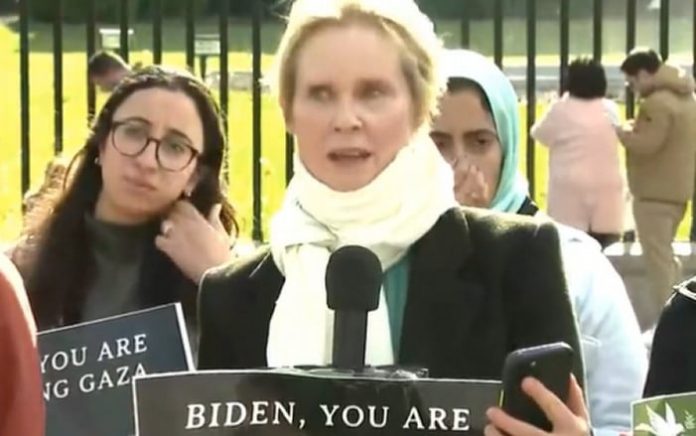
(290, 403)
(668, 415)
(88, 368)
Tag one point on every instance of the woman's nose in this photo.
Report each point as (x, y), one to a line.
(148, 157)
(346, 118)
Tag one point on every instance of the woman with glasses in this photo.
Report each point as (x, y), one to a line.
(142, 215)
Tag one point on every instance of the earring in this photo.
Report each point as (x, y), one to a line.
(96, 160)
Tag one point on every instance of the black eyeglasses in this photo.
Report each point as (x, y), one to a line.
(132, 138)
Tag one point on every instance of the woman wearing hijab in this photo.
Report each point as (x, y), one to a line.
(477, 131)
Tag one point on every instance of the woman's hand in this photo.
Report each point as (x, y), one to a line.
(195, 244)
(470, 187)
(567, 420)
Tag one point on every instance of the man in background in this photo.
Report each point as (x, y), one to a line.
(106, 70)
(661, 160)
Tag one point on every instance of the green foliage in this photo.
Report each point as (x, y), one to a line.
(75, 11)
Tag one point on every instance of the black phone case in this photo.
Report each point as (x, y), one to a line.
(550, 364)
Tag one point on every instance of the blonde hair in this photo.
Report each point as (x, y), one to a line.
(399, 20)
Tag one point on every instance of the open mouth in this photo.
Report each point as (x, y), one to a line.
(349, 155)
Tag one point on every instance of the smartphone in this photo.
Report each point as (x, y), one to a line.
(551, 364)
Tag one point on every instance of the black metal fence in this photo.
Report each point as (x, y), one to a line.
(189, 24)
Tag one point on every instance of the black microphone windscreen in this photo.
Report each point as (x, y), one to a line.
(353, 279)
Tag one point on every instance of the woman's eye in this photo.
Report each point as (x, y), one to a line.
(320, 94)
(135, 131)
(174, 147)
(481, 141)
(373, 93)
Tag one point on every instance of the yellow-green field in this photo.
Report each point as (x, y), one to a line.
(75, 115)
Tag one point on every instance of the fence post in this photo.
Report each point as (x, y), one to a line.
(257, 233)
(597, 13)
(223, 24)
(564, 45)
(157, 32)
(24, 92)
(664, 29)
(289, 153)
(630, 45)
(693, 42)
(123, 34)
(224, 80)
(465, 26)
(498, 33)
(190, 34)
(91, 48)
(531, 92)
(58, 77)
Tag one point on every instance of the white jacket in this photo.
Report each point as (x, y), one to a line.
(616, 360)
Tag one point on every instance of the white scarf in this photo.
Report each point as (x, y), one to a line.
(387, 216)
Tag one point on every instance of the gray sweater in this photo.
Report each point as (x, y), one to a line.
(118, 252)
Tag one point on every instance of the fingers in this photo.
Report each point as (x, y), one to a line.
(491, 431)
(512, 426)
(552, 406)
(461, 172)
(166, 228)
(470, 186)
(163, 244)
(184, 209)
(481, 182)
(576, 401)
(571, 419)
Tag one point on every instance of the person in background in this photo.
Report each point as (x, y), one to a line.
(585, 187)
(143, 214)
(106, 70)
(54, 175)
(661, 161)
(21, 394)
(477, 131)
(462, 287)
(672, 357)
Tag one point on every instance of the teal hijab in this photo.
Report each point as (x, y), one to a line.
(512, 187)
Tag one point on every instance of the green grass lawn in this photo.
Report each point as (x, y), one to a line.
(239, 113)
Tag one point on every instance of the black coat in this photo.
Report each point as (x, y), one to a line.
(480, 286)
(673, 358)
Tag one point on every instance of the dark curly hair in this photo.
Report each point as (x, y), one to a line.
(586, 79)
(62, 267)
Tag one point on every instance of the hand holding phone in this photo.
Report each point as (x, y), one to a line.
(551, 365)
(568, 419)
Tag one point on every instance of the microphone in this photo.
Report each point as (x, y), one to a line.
(353, 282)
